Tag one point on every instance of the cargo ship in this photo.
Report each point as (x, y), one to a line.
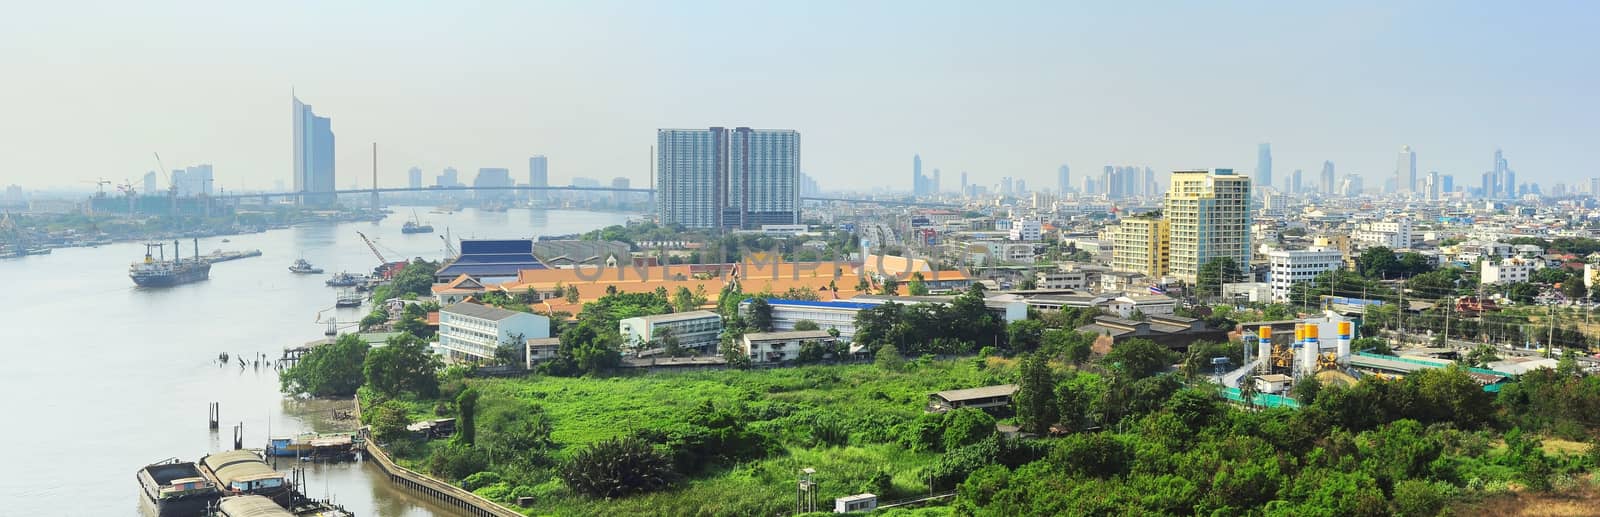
(176, 488)
(415, 225)
(156, 271)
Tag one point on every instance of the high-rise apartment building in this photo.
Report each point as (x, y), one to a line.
(729, 178)
(1063, 179)
(313, 156)
(1208, 213)
(1405, 171)
(963, 183)
(539, 176)
(1141, 245)
(934, 187)
(917, 183)
(1263, 175)
(1294, 182)
(448, 178)
(414, 177)
(151, 186)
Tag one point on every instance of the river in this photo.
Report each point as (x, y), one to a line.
(101, 377)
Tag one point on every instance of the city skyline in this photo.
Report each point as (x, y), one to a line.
(118, 101)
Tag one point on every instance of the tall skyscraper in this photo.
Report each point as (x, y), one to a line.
(1405, 171)
(1329, 184)
(1431, 186)
(1447, 184)
(151, 186)
(313, 156)
(917, 184)
(414, 177)
(1294, 182)
(1063, 179)
(963, 183)
(1263, 175)
(539, 176)
(935, 187)
(1208, 213)
(721, 178)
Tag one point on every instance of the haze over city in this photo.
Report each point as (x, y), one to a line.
(996, 90)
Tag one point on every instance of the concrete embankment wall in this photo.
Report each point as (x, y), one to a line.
(449, 494)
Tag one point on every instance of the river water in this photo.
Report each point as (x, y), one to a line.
(100, 378)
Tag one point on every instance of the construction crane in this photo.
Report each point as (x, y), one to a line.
(449, 249)
(373, 247)
(100, 186)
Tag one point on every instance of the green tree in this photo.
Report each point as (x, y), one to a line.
(965, 426)
(806, 325)
(466, 421)
(683, 300)
(917, 286)
(888, 358)
(404, 365)
(331, 370)
(1024, 336)
(891, 287)
(760, 317)
(388, 421)
(1214, 273)
(1073, 346)
(415, 278)
(1482, 355)
(1140, 357)
(1035, 397)
(572, 294)
(1377, 262)
(1522, 292)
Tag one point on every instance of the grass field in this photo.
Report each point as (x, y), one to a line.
(780, 403)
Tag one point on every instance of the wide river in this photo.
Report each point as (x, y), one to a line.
(101, 378)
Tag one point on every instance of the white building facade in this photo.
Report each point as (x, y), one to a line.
(1289, 267)
(470, 332)
(692, 329)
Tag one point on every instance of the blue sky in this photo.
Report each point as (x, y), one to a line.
(991, 88)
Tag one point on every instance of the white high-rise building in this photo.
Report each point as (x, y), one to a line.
(1405, 171)
(722, 178)
(1029, 230)
(414, 177)
(1289, 267)
(313, 156)
(1208, 213)
(539, 176)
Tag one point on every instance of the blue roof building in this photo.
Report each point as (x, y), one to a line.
(490, 261)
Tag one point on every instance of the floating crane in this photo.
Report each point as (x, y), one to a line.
(385, 268)
(449, 249)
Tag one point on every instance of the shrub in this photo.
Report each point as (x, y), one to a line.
(617, 467)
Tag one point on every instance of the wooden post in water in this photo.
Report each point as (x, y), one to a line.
(214, 414)
(238, 436)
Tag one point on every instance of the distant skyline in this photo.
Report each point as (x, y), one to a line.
(995, 91)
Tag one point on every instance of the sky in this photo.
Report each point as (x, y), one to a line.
(992, 88)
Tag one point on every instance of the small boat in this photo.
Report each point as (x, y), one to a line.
(226, 240)
(343, 279)
(304, 268)
(173, 488)
(316, 446)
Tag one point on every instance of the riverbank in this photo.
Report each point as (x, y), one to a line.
(143, 361)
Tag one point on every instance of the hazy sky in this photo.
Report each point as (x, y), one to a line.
(994, 88)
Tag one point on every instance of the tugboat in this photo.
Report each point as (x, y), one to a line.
(160, 272)
(415, 225)
(176, 488)
(301, 267)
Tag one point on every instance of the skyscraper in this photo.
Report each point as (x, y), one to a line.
(1294, 182)
(721, 178)
(448, 178)
(1263, 175)
(1405, 171)
(539, 176)
(151, 186)
(1208, 213)
(963, 183)
(1431, 188)
(935, 186)
(1329, 185)
(916, 175)
(313, 156)
(618, 198)
(414, 177)
(1063, 179)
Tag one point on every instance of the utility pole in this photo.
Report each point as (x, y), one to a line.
(374, 176)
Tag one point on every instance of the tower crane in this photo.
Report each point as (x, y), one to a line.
(449, 249)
